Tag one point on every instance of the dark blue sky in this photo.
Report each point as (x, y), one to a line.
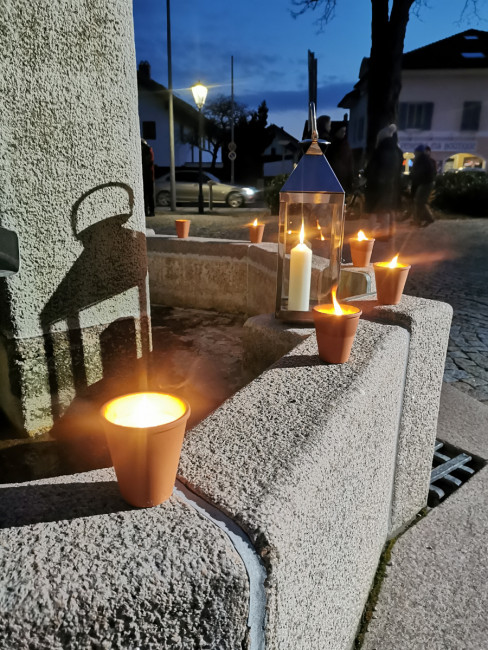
(270, 48)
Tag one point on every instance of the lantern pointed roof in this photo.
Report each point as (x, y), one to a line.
(313, 174)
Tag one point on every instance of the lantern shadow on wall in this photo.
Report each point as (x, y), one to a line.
(113, 261)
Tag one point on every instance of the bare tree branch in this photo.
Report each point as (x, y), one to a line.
(327, 8)
(471, 11)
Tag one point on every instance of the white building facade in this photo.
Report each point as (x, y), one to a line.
(153, 101)
(443, 102)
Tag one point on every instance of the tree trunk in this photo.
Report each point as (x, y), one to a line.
(385, 64)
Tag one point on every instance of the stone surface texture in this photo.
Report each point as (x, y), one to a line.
(81, 569)
(428, 323)
(434, 594)
(463, 421)
(303, 458)
(70, 187)
(267, 339)
(229, 276)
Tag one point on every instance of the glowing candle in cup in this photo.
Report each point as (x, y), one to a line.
(335, 328)
(390, 280)
(300, 275)
(144, 433)
(361, 249)
(256, 231)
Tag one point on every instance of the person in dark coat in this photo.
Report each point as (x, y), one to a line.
(148, 178)
(340, 158)
(383, 181)
(422, 175)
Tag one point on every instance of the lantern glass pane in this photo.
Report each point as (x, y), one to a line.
(321, 214)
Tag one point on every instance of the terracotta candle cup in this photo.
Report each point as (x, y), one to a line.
(182, 228)
(320, 247)
(144, 433)
(390, 282)
(256, 233)
(361, 251)
(335, 332)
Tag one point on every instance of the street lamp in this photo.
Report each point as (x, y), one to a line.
(199, 95)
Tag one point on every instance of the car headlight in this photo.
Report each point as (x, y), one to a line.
(248, 191)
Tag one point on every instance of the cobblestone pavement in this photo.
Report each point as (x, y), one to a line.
(450, 263)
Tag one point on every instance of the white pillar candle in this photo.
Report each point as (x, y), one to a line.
(300, 276)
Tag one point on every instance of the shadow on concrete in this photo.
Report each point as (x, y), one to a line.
(33, 504)
(301, 361)
(104, 269)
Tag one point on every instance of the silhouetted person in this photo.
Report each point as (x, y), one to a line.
(340, 158)
(148, 178)
(383, 177)
(423, 176)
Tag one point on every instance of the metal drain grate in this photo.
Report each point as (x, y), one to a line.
(451, 468)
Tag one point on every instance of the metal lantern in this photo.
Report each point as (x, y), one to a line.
(310, 236)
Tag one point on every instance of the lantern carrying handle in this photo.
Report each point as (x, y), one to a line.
(313, 122)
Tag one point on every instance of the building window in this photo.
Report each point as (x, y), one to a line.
(149, 130)
(471, 116)
(415, 116)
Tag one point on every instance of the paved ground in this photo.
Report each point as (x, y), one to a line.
(450, 263)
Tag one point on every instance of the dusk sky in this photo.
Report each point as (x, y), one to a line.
(270, 49)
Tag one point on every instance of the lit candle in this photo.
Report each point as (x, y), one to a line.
(361, 249)
(144, 434)
(300, 275)
(256, 232)
(390, 280)
(335, 328)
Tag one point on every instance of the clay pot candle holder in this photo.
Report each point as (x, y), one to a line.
(335, 328)
(144, 433)
(390, 281)
(361, 249)
(182, 228)
(256, 231)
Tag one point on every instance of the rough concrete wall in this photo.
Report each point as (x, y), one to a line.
(429, 323)
(303, 458)
(70, 159)
(97, 573)
(229, 276)
(71, 188)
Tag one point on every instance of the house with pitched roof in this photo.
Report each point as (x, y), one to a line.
(153, 100)
(443, 103)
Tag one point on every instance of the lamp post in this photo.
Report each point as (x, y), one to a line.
(199, 95)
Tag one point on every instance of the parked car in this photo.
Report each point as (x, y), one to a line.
(187, 190)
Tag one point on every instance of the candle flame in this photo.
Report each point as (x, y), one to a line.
(337, 307)
(319, 227)
(322, 238)
(302, 233)
(255, 222)
(142, 410)
(393, 263)
(362, 236)
(289, 232)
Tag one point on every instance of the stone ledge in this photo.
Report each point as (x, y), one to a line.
(227, 275)
(80, 568)
(303, 458)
